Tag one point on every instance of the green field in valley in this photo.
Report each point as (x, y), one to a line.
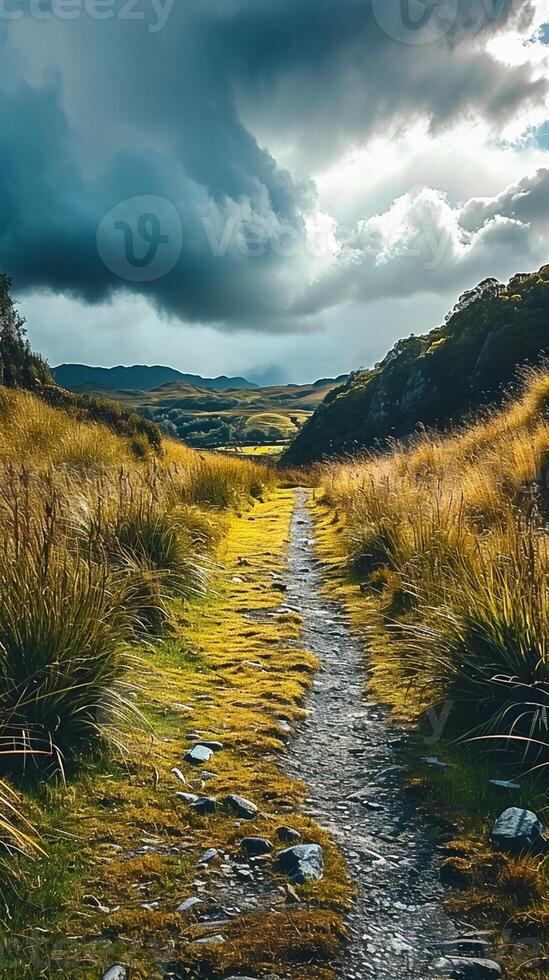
(267, 418)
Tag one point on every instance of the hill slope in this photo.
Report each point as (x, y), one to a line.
(436, 379)
(79, 377)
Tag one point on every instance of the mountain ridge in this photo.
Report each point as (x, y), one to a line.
(140, 376)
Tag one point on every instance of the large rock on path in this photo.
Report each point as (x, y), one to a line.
(256, 846)
(199, 755)
(305, 862)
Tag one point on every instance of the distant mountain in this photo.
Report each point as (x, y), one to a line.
(435, 380)
(81, 377)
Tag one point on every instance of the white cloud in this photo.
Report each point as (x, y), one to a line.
(424, 243)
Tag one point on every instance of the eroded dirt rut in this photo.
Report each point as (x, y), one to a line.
(345, 746)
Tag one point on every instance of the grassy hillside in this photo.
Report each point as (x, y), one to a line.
(96, 542)
(239, 418)
(446, 569)
(102, 552)
(122, 593)
(437, 379)
(102, 524)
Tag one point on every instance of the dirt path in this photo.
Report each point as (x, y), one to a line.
(343, 747)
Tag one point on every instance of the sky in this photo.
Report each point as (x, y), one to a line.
(272, 188)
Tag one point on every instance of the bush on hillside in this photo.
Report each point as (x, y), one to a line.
(63, 657)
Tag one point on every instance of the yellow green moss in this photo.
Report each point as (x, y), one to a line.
(230, 677)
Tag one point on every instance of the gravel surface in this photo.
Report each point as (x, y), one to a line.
(345, 746)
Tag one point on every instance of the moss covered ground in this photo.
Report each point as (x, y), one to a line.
(122, 848)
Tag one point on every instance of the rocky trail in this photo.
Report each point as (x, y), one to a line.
(351, 760)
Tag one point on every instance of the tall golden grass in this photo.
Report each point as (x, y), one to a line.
(461, 522)
(96, 541)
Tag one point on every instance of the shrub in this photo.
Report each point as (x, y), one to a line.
(63, 656)
(486, 643)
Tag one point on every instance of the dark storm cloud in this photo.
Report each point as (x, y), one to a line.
(332, 74)
(98, 112)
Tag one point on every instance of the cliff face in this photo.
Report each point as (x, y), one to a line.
(437, 379)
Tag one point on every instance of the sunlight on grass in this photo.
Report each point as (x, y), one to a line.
(460, 522)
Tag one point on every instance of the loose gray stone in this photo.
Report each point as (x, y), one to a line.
(466, 946)
(244, 874)
(188, 904)
(205, 774)
(254, 846)
(209, 941)
(198, 755)
(434, 763)
(117, 972)
(518, 830)
(284, 725)
(243, 808)
(208, 855)
(179, 775)
(460, 968)
(211, 744)
(305, 862)
(204, 805)
(288, 835)
(187, 797)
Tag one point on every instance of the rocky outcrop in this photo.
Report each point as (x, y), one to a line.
(437, 379)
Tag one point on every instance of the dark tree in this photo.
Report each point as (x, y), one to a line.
(19, 367)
